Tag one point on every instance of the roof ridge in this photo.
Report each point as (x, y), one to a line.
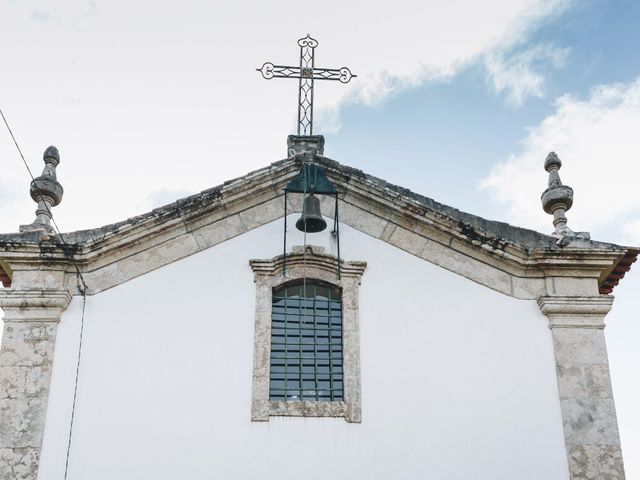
(470, 224)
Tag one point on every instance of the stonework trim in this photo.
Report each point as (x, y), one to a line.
(127, 250)
(308, 409)
(315, 265)
(584, 385)
(576, 312)
(31, 320)
(38, 305)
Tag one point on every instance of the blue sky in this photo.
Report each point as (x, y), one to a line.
(456, 128)
(459, 100)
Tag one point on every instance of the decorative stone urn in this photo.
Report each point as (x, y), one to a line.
(557, 199)
(47, 192)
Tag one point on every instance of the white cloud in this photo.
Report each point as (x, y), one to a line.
(597, 140)
(521, 74)
(165, 95)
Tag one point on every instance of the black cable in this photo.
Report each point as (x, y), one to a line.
(82, 289)
(16, 144)
(75, 389)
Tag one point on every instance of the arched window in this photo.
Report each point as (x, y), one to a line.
(306, 361)
(306, 356)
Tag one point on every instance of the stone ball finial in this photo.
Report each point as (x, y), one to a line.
(46, 191)
(51, 153)
(552, 161)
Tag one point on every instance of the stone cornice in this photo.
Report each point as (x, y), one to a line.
(44, 305)
(322, 264)
(576, 312)
(565, 305)
(369, 205)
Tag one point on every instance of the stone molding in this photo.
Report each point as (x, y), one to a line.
(40, 305)
(317, 265)
(141, 244)
(308, 409)
(584, 385)
(576, 312)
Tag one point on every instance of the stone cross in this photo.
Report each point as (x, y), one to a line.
(306, 72)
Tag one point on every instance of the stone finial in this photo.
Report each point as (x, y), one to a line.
(557, 199)
(46, 192)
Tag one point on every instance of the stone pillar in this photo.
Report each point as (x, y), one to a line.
(586, 399)
(30, 323)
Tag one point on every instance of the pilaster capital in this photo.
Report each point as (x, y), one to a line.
(576, 312)
(44, 305)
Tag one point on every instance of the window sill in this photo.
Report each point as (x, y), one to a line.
(269, 408)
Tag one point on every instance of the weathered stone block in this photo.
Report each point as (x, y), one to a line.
(264, 213)
(12, 381)
(260, 411)
(37, 381)
(19, 463)
(528, 288)
(307, 409)
(570, 382)
(33, 279)
(218, 232)
(361, 220)
(261, 387)
(389, 228)
(575, 286)
(262, 346)
(21, 422)
(27, 353)
(24, 330)
(590, 381)
(595, 462)
(579, 346)
(467, 267)
(598, 381)
(589, 421)
(407, 240)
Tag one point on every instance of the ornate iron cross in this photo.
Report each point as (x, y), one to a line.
(306, 73)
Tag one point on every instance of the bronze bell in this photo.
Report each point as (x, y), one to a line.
(311, 219)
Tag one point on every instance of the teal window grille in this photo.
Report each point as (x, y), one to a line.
(306, 343)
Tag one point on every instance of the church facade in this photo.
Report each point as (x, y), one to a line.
(406, 340)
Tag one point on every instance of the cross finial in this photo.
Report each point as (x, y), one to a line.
(306, 73)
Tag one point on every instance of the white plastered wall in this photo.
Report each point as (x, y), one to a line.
(458, 381)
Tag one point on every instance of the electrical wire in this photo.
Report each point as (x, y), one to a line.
(16, 144)
(81, 285)
(75, 388)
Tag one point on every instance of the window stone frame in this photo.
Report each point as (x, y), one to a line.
(314, 264)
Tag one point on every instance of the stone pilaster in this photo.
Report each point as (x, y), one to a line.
(30, 323)
(586, 398)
